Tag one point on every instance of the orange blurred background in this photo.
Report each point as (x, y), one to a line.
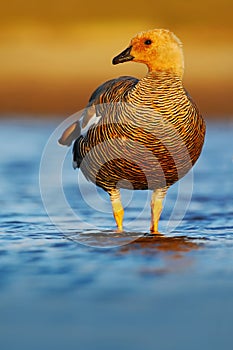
(54, 54)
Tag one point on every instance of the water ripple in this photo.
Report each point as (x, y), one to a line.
(101, 278)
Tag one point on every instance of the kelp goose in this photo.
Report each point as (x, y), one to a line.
(141, 134)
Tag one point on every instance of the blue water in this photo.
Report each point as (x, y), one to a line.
(68, 281)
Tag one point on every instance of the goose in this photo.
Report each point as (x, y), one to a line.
(141, 134)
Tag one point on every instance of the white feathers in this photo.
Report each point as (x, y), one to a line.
(92, 121)
(80, 127)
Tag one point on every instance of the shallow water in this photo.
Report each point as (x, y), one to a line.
(174, 291)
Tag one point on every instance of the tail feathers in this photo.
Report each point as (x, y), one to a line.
(70, 134)
(78, 152)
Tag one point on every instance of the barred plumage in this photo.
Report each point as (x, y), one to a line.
(146, 133)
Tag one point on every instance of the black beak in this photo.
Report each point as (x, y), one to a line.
(124, 56)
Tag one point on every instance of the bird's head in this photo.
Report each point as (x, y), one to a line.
(159, 49)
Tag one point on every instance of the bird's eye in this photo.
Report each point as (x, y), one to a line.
(147, 42)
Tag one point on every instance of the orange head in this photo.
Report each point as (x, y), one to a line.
(159, 49)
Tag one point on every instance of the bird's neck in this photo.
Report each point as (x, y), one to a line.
(157, 83)
(170, 60)
(157, 77)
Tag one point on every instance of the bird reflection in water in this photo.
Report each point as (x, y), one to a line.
(165, 254)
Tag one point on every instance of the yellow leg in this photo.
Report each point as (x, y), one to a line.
(156, 208)
(117, 208)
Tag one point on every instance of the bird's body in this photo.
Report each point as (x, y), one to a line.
(140, 134)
